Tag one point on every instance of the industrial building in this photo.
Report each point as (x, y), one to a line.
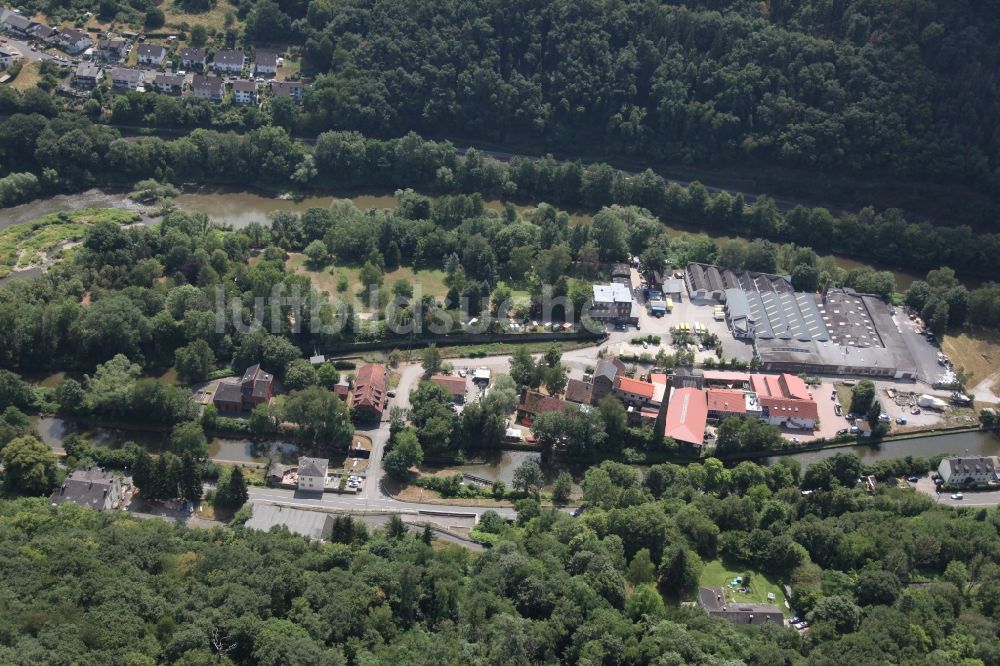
(838, 332)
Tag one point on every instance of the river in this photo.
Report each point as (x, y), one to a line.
(966, 443)
(240, 208)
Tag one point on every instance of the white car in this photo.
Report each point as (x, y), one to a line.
(462, 373)
(957, 496)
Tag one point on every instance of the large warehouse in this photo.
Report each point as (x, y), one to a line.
(836, 332)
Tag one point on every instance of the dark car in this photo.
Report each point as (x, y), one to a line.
(577, 511)
(912, 479)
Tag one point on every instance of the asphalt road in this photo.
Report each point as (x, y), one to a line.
(26, 52)
(970, 497)
(381, 502)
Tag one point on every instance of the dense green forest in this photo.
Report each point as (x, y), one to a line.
(885, 578)
(906, 88)
(68, 152)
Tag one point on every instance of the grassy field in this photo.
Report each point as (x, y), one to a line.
(27, 78)
(23, 245)
(425, 282)
(977, 353)
(215, 18)
(718, 574)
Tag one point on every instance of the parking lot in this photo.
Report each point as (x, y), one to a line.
(686, 312)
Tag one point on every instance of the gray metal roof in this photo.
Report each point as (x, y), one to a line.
(310, 524)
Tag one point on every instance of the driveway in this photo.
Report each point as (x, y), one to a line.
(26, 52)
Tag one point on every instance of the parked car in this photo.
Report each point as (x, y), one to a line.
(796, 440)
(912, 479)
(901, 420)
(391, 394)
(938, 480)
(462, 372)
(957, 496)
(843, 431)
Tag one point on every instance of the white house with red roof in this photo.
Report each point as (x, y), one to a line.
(785, 400)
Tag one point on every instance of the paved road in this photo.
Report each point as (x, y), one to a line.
(381, 502)
(26, 52)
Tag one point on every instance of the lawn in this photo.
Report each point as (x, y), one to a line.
(22, 245)
(425, 282)
(719, 574)
(977, 353)
(27, 78)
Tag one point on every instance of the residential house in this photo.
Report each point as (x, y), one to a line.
(713, 600)
(151, 54)
(245, 92)
(42, 33)
(293, 89)
(966, 471)
(73, 40)
(368, 398)
(312, 474)
(229, 61)
(613, 303)
(534, 403)
(605, 374)
(315, 525)
(123, 78)
(265, 62)
(453, 384)
(8, 57)
(633, 391)
(16, 24)
(785, 400)
(687, 414)
(169, 83)
(193, 58)
(253, 388)
(723, 403)
(88, 75)
(579, 392)
(112, 49)
(94, 488)
(208, 87)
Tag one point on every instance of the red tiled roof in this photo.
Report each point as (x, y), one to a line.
(794, 387)
(687, 413)
(634, 386)
(658, 377)
(454, 385)
(579, 391)
(534, 402)
(369, 387)
(725, 400)
(802, 409)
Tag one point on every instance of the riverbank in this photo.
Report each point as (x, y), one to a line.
(239, 206)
